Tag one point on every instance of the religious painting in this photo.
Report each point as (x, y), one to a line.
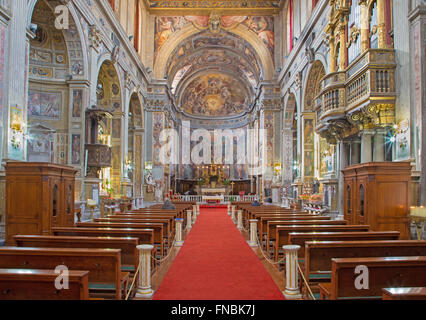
(77, 103)
(309, 164)
(75, 149)
(165, 26)
(45, 105)
(215, 95)
(264, 28)
(157, 127)
(308, 132)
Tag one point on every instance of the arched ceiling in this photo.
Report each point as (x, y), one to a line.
(215, 52)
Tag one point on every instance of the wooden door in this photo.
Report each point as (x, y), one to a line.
(349, 197)
(361, 202)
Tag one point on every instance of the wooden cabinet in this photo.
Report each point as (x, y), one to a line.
(39, 196)
(378, 194)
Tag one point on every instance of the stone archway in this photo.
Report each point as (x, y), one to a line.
(290, 168)
(109, 97)
(135, 144)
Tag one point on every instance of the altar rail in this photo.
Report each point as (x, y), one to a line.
(227, 198)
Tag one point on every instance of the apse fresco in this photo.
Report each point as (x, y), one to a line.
(262, 26)
(215, 95)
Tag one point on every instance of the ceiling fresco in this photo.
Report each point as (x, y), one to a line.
(234, 6)
(215, 95)
(222, 51)
(262, 26)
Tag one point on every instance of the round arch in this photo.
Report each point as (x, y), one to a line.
(189, 30)
(312, 82)
(79, 67)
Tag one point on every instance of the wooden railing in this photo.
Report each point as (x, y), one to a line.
(369, 78)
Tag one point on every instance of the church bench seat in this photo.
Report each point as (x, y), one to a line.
(38, 284)
(403, 271)
(104, 265)
(167, 224)
(318, 254)
(263, 220)
(145, 236)
(282, 231)
(152, 215)
(405, 293)
(159, 233)
(300, 238)
(271, 226)
(127, 245)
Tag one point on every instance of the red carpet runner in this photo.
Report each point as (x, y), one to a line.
(216, 263)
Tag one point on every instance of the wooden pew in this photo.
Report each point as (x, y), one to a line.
(300, 238)
(159, 233)
(263, 220)
(104, 265)
(167, 224)
(127, 245)
(145, 236)
(318, 255)
(36, 284)
(410, 293)
(170, 216)
(281, 232)
(271, 226)
(382, 271)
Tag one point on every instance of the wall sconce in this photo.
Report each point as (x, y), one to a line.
(16, 122)
(277, 168)
(148, 165)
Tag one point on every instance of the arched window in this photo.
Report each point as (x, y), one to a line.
(137, 25)
(290, 27)
(374, 39)
(354, 31)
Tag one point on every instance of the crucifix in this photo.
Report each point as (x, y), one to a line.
(232, 185)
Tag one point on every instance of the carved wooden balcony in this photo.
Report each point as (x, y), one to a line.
(331, 100)
(364, 93)
(99, 155)
(371, 79)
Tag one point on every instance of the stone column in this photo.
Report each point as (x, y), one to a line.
(194, 216)
(233, 213)
(179, 241)
(364, 27)
(379, 146)
(342, 32)
(343, 163)
(194, 209)
(355, 152)
(229, 209)
(144, 289)
(240, 220)
(381, 24)
(366, 155)
(253, 233)
(198, 209)
(291, 291)
(188, 220)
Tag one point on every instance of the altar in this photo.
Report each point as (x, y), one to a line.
(213, 191)
(210, 195)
